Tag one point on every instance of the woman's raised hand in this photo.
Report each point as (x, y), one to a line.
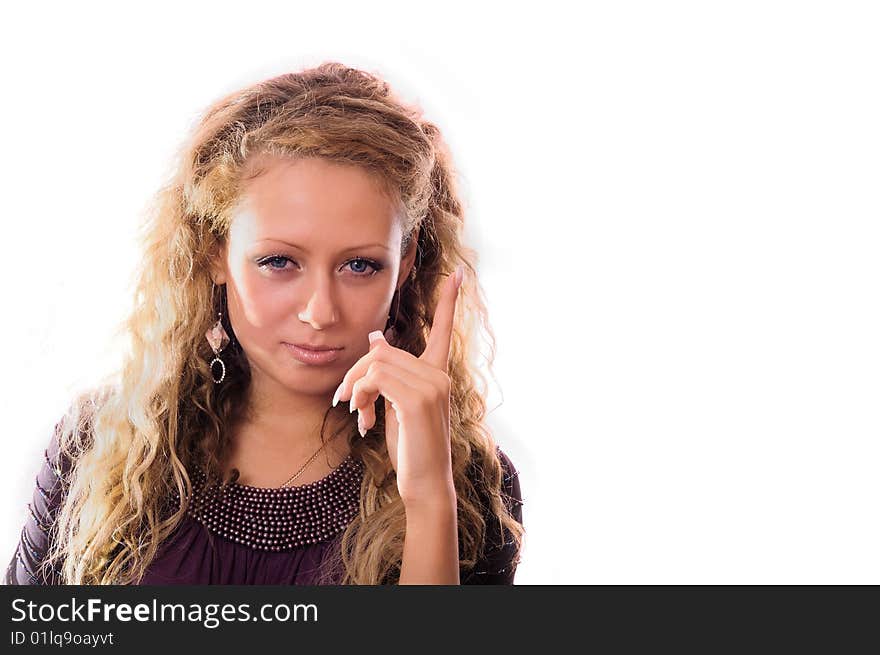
(417, 396)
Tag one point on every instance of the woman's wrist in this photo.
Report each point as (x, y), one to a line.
(437, 500)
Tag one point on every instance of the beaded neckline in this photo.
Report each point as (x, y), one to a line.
(327, 479)
(280, 518)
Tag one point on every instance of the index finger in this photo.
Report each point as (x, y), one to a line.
(439, 340)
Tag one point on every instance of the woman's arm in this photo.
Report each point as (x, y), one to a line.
(430, 548)
(499, 561)
(27, 566)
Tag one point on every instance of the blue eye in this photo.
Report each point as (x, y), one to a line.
(376, 266)
(263, 263)
(359, 262)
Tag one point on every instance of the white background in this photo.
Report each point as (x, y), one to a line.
(676, 209)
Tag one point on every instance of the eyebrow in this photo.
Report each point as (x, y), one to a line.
(352, 248)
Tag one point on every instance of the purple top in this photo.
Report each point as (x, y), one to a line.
(250, 535)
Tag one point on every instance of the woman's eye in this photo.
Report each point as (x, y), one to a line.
(276, 258)
(361, 272)
(360, 266)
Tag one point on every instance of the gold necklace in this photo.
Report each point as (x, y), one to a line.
(309, 461)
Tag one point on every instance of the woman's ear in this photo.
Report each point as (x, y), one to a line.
(218, 267)
(218, 276)
(408, 261)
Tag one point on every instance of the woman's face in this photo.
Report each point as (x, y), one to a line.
(313, 257)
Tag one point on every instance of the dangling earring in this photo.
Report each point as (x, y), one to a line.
(218, 340)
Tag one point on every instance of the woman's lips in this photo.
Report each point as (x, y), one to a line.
(307, 356)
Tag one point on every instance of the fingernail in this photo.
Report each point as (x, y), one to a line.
(361, 428)
(375, 334)
(336, 395)
(351, 406)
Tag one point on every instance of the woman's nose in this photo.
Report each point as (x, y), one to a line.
(320, 310)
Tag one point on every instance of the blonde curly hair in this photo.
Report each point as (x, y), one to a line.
(133, 443)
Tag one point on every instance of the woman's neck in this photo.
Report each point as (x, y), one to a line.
(280, 431)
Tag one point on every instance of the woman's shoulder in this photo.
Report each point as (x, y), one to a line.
(510, 485)
(500, 555)
(69, 436)
(28, 564)
(72, 432)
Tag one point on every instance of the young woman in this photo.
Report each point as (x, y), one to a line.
(299, 404)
